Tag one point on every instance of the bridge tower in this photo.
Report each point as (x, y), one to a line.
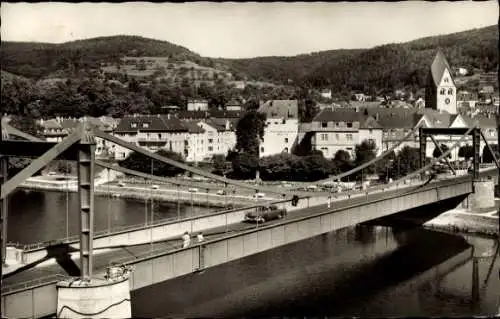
(88, 296)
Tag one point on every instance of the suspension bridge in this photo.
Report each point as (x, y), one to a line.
(154, 251)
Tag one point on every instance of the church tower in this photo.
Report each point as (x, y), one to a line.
(441, 92)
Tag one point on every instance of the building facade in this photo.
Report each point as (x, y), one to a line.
(281, 128)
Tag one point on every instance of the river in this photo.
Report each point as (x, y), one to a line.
(39, 216)
(357, 271)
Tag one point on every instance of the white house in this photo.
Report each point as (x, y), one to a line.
(282, 125)
(197, 105)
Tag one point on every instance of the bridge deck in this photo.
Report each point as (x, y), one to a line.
(102, 260)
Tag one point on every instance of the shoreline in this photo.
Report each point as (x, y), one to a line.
(133, 192)
(466, 221)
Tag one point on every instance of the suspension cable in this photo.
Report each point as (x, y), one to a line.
(67, 199)
(109, 205)
(338, 177)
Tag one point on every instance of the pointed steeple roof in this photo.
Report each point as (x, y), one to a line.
(438, 66)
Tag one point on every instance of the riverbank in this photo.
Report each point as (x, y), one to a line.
(163, 193)
(463, 220)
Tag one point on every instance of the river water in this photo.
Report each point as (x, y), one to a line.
(36, 216)
(357, 271)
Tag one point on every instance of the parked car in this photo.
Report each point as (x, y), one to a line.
(193, 190)
(265, 213)
(221, 192)
(155, 186)
(259, 195)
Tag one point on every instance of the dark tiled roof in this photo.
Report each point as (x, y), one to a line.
(226, 114)
(346, 115)
(150, 123)
(438, 66)
(220, 124)
(486, 122)
(280, 109)
(193, 114)
(193, 127)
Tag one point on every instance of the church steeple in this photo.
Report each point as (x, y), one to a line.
(441, 91)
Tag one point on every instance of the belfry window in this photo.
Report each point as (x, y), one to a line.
(450, 91)
(442, 92)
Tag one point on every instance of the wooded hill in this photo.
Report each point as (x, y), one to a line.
(383, 67)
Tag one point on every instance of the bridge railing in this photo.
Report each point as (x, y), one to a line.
(33, 283)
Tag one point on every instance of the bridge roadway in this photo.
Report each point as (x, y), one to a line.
(123, 254)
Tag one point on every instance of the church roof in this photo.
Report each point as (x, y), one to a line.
(438, 66)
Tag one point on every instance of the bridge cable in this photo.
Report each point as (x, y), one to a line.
(338, 177)
(433, 161)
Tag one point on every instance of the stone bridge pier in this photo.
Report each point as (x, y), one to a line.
(483, 196)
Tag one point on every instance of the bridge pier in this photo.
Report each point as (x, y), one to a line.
(98, 299)
(483, 196)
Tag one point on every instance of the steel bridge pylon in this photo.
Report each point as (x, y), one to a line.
(476, 134)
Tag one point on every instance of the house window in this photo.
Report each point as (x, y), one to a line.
(450, 91)
(133, 125)
(210, 141)
(145, 125)
(324, 137)
(371, 140)
(285, 150)
(324, 124)
(159, 136)
(370, 131)
(337, 136)
(262, 150)
(446, 80)
(442, 92)
(349, 124)
(286, 139)
(210, 148)
(349, 137)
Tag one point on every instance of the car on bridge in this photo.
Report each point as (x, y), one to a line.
(265, 213)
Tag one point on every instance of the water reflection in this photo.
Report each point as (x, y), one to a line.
(362, 271)
(41, 216)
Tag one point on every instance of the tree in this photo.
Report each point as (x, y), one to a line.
(249, 131)
(407, 161)
(244, 165)
(365, 152)
(466, 152)
(142, 163)
(342, 161)
(219, 163)
(487, 157)
(437, 153)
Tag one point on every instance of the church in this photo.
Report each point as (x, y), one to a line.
(440, 91)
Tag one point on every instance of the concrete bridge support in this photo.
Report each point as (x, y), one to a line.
(483, 196)
(100, 299)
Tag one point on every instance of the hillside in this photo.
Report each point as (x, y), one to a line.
(38, 60)
(383, 67)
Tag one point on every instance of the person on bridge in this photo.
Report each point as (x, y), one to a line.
(200, 237)
(186, 239)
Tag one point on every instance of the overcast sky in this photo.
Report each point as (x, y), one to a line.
(237, 30)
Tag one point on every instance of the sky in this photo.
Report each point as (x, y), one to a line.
(242, 30)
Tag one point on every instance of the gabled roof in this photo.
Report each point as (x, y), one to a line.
(220, 124)
(280, 109)
(346, 115)
(193, 127)
(193, 114)
(437, 68)
(153, 124)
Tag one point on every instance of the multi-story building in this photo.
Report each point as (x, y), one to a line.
(152, 132)
(440, 91)
(197, 105)
(233, 105)
(282, 124)
(195, 139)
(343, 129)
